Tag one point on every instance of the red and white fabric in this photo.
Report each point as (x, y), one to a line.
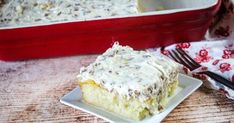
(216, 53)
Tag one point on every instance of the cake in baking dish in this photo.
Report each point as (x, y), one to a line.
(130, 83)
(28, 12)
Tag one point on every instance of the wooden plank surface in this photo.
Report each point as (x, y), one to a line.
(30, 92)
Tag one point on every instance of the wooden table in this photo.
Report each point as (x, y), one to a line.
(30, 92)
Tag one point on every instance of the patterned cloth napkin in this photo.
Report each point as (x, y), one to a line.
(216, 53)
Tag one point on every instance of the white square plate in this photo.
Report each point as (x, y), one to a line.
(187, 85)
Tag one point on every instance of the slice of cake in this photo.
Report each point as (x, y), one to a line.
(133, 84)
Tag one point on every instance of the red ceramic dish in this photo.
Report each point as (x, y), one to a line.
(146, 30)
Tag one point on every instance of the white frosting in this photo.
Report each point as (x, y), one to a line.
(130, 73)
(25, 12)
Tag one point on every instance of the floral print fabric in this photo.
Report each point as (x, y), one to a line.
(215, 54)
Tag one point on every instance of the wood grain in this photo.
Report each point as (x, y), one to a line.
(30, 92)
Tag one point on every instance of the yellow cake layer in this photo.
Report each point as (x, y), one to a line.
(129, 108)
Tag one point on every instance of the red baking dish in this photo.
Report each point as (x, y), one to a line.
(183, 20)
